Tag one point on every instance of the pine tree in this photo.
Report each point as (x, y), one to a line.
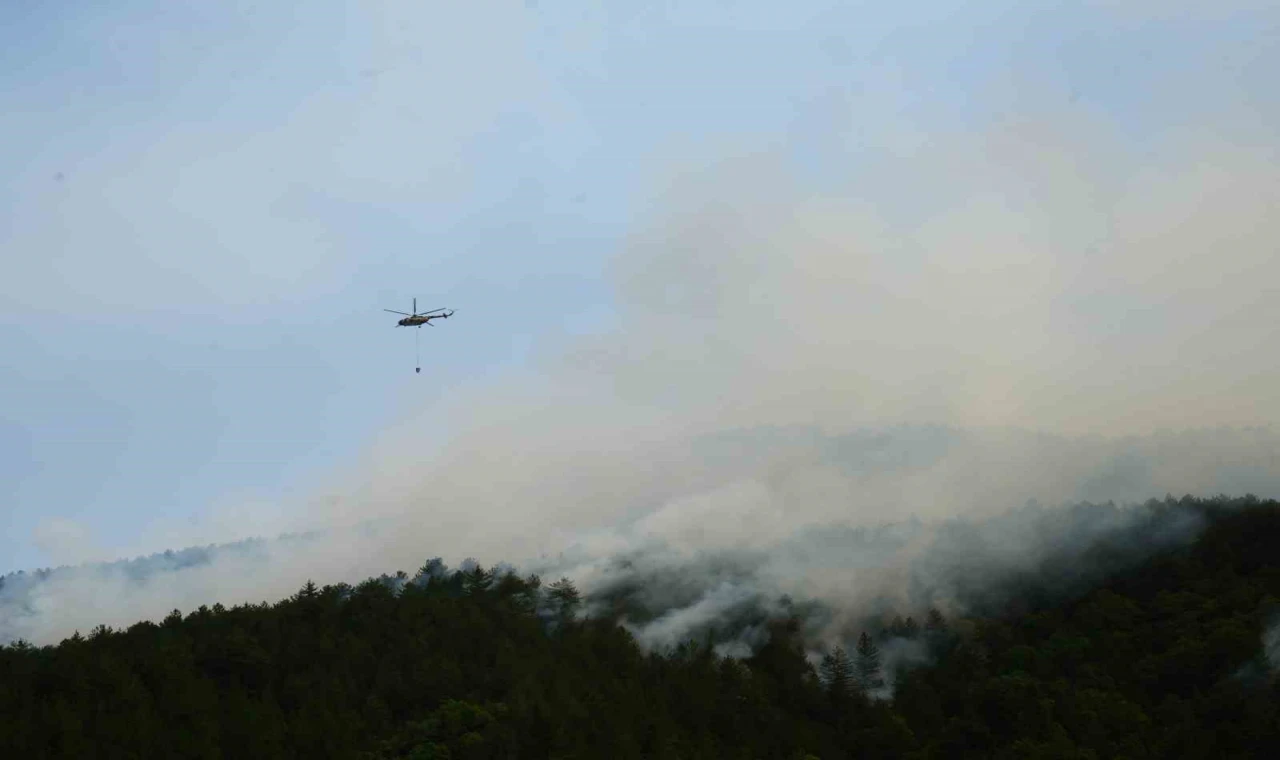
(566, 597)
(431, 569)
(527, 593)
(910, 629)
(898, 627)
(868, 663)
(477, 579)
(837, 673)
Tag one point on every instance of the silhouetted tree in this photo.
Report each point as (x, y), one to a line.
(566, 598)
(1161, 657)
(476, 580)
(837, 674)
(868, 663)
(910, 628)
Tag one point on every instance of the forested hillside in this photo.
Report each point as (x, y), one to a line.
(1162, 658)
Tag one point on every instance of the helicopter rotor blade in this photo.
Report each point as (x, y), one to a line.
(397, 312)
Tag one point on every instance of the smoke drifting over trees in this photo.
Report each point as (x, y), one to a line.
(1157, 656)
(1047, 315)
(733, 525)
(887, 424)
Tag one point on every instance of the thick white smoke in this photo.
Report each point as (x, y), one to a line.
(864, 524)
(1055, 318)
(1271, 646)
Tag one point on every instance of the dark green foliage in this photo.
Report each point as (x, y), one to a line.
(934, 623)
(565, 596)
(906, 629)
(1161, 659)
(869, 675)
(837, 674)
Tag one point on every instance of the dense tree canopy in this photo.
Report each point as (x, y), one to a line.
(1162, 659)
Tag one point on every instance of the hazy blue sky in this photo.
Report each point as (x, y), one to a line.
(204, 206)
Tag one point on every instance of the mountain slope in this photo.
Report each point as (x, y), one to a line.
(1164, 658)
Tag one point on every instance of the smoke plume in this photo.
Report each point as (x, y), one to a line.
(833, 398)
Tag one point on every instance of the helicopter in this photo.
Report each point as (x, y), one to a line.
(417, 319)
